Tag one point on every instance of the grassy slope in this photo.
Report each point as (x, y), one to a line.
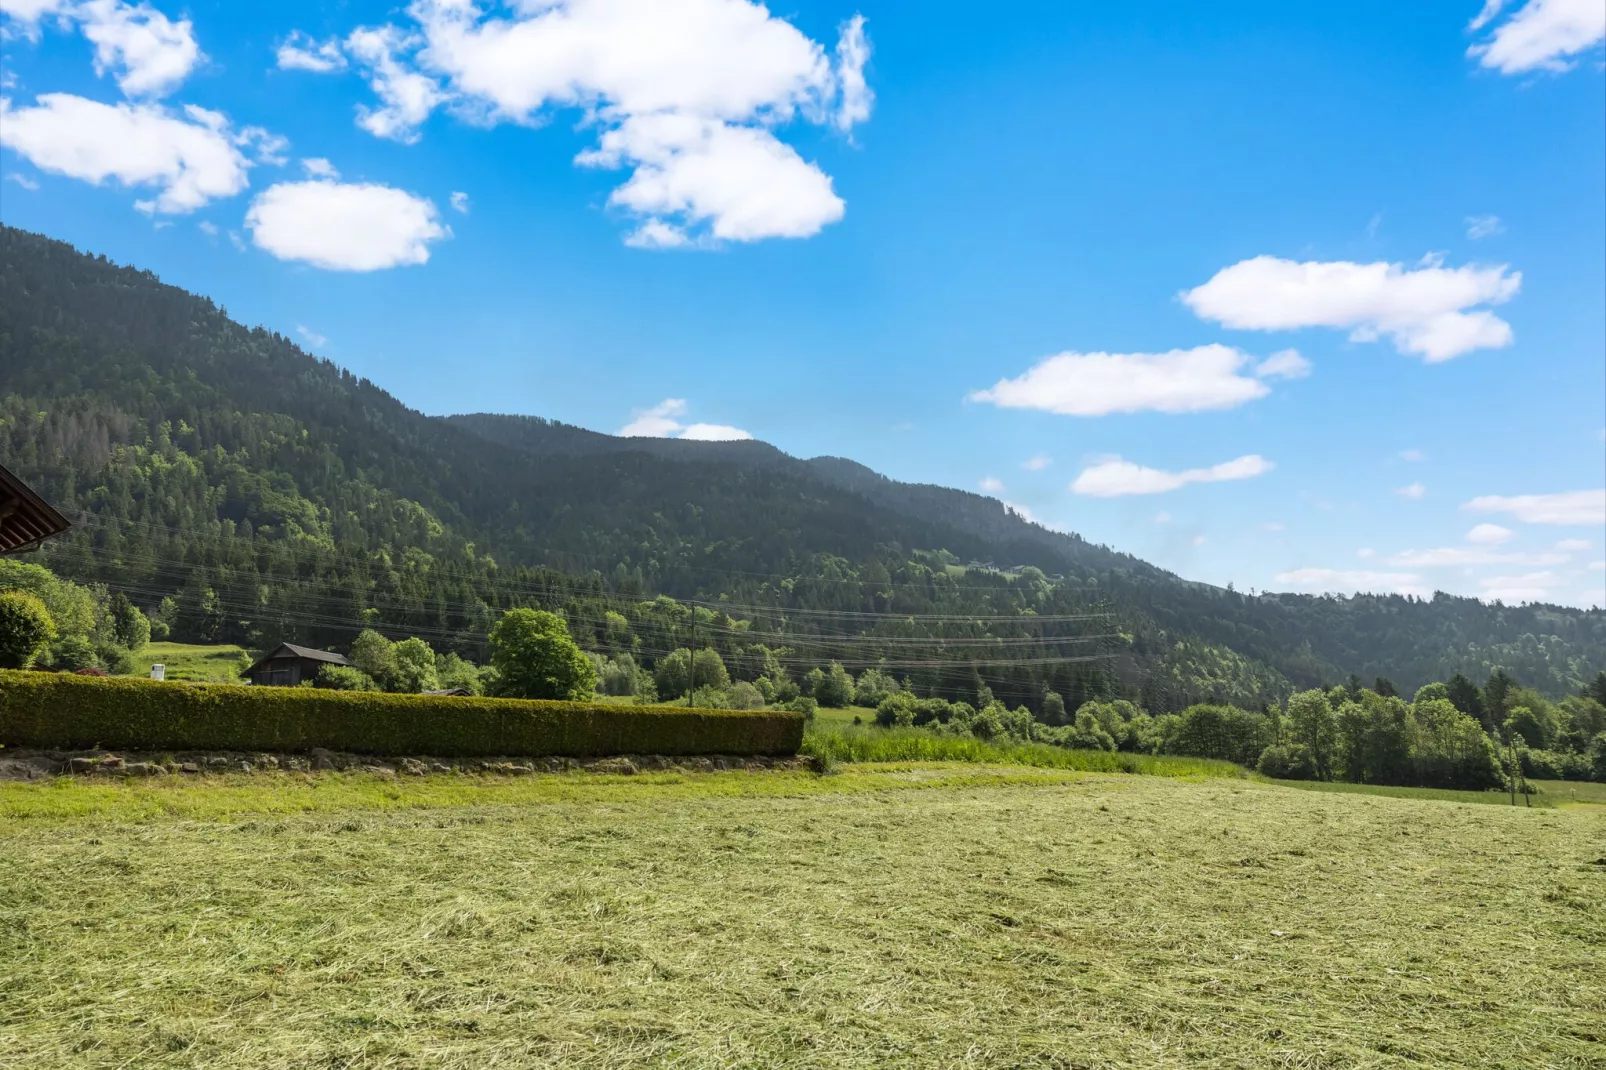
(186, 661)
(997, 917)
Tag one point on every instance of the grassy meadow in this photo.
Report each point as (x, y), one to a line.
(903, 914)
(218, 663)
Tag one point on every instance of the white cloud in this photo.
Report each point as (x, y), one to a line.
(1423, 309)
(1197, 540)
(1484, 226)
(1412, 455)
(318, 167)
(1287, 364)
(460, 202)
(1597, 566)
(312, 336)
(23, 180)
(1114, 477)
(301, 52)
(738, 180)
(1462, 556)
(344, 227)
(1413, 491)
(1162, 517)
(687, 94)
(1529, 587)
(1568, 507)
(208, 228)
(1332, 580)
(1037, 463)
(992, 485)
(152, 53)
(1096, 384)
(662, 421)
(189, 161)
(657, 422)
(147, 52)
(1365, 553)
(1541, 35)
(714, 433)
(852, 53)
(407, 95)
(1573, 545)
(1490, 534)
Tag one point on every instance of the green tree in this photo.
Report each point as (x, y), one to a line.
(1053, 708)
(345, 678)
(672, 674)
(131, 629)
(415, 666)
(1496, 693)
(835, 688)
(375, 655)
(26, 628)
(534, 657)
(453, 670)
(1313, 727)
(1466, 697)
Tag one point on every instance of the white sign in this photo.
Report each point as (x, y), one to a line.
(158, 672)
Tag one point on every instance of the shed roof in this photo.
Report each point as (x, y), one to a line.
(26, 520)
(290, 650)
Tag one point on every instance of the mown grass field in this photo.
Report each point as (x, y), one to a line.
(892, 915)
(185, 661)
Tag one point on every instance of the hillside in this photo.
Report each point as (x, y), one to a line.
(274, 495)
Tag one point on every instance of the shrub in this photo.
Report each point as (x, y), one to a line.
(26, 628)
(67, 712)
(415, 666)
(744, 696)
(1597, 757)
(374, 655)
(834, 687)
(1287, 761)
(1222, 732)
(1554, 765)
(345, 678)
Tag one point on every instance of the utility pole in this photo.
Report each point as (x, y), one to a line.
(691, 663)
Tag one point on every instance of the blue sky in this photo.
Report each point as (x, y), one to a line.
(1293, 296)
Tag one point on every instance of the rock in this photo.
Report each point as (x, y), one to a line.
(80, 765)
(188, 767)
(243, 767)
(217, 761)
(440, 768)
(616, 766)
(323, 759)
(266, 761)
(109, 763)
(414, 767)
(142, 769)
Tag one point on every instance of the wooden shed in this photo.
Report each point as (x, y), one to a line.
(26, 520)
(289, 664)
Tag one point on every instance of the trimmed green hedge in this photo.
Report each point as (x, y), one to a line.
(58, 710)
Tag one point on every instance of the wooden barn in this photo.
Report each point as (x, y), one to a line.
(26, 520)
(289, 664)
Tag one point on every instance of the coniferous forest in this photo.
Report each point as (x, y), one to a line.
(235, 488)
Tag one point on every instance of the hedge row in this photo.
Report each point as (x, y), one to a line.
(63, 711)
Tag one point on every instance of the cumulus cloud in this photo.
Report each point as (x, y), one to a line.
(1463, 556)
(1429, 310)
(1037, 463)
(663, 421)
(1573, 545)
(1490, 534)
(1528, 587)
(687, 95)
(1097, 384)
(992, 485)
(1567, 507)
(1484, 226)
(1286, 364)
(300, 52)
(1540, 35)
(318, 167)
(460, 202)
(189, 160)
(1413, 491)
(148, 53)
(344, 226)
(1115, 477)
(23, 180)
(1337, 581)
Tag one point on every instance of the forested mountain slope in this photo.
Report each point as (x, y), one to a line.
(276, 496)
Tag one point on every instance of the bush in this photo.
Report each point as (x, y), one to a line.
(1223, 732)
(26, 628)
(1287, 761)
(1597, 757)
(744, 696)
(834, 687)
(1554, 765)
(345, 678)
(60, 711)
